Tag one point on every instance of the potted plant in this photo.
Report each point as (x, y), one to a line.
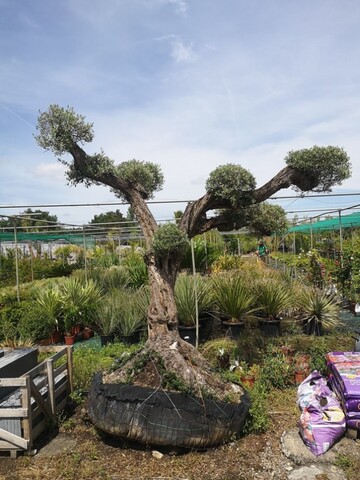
(78, 301)
(247, 374)
(318, 310)
(50, 301)
(219, 351)
(186, 293)
(131, 311)
(273, 299)
(234, 302)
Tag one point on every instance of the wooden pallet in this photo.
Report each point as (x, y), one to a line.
(37, 397)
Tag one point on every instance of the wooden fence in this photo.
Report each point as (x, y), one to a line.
(39, 395)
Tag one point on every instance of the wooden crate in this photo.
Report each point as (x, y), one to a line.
(38, 396)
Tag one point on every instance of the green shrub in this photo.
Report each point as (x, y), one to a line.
(276, 371)
(91, 359)
(259, 419)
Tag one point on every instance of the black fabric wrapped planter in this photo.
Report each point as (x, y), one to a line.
(155, 417)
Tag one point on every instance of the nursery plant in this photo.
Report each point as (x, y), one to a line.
(186, 298)
(318, 310)
(231, 192)
(233, 299)
(273, 298)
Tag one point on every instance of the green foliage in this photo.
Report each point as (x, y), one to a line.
(146, 177)
(318, 308)
(108, 217)
(227, 262)
(59, 128)
(276, 371)
(233, 298)
(259, 418)
(273, 298)
(324, 167)
(91, 359)
(169, 240)
(69, 302)
(136, 269)
(205, 252)
(131, 310)
(232, 184)
(218, 349)
(185, 298)
(106, 278)
(24, 320)
(266, 219)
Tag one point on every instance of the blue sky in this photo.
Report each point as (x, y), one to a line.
(187, 84)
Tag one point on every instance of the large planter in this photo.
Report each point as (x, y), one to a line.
(270, 328)
(312, 327)
(106, 339)
(188, 334)
(206, 325)
(154, 417)
(233, 330)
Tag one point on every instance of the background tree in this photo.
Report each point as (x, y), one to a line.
(32, 218)
(108, 217)
(230, 188)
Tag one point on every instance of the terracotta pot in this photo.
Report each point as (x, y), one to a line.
(75, 329)
(55, 336)
(87, 333)
(300, 376)
(69, 339)
(248, 380)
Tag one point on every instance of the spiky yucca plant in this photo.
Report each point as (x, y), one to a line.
(318, 310)
(185, 298)
(273, 298)
(233, 298)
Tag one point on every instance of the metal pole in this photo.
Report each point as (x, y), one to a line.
(341, 238)
(340, 231)
(195, 292)
(16, 263)
(311, 236)
(85, 261)
(205, 247)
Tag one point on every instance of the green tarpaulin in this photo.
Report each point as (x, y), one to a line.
(42, 237)
(334, 223)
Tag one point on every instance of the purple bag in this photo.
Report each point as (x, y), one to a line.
(347, 375)
(322, 420)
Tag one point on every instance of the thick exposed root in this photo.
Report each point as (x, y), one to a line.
(171, 358)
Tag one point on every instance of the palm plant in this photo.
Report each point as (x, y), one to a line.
(233, 298)
(78, 300)
(186, 295)
(318, 310)
(49, 300)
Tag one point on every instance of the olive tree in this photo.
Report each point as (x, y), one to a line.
(231, 192)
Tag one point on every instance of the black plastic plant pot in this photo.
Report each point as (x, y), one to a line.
(106, 339)
(233, 330)
(158, 418)
(188, 334)
(270, 328)
(130, 339)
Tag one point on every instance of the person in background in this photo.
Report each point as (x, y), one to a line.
(262, 250)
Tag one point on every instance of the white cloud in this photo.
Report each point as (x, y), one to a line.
(50, 171)
(181, 52)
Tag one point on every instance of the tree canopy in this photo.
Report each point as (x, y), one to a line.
(231, 190)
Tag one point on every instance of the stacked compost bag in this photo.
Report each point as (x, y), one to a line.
(322, 420)
(344, 378)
